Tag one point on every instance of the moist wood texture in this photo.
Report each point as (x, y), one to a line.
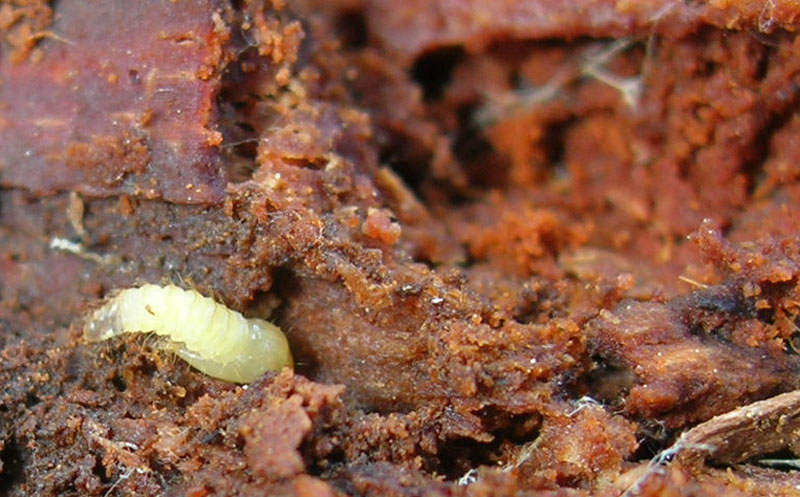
(117, 98)
(513, 254)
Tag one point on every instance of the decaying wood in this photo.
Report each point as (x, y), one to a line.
(763, 427)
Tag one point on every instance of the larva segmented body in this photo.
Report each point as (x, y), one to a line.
(216, 340)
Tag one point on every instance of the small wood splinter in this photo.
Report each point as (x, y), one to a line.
(217, 341)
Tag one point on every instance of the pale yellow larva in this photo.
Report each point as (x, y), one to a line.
(216, 340)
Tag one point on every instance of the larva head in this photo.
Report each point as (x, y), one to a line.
(266, 350)
(274, 347)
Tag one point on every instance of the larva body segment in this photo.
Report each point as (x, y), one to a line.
(216, 340)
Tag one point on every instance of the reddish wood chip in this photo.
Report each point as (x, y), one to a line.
(105, 105)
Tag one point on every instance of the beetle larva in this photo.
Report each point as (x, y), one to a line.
(216, 340)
